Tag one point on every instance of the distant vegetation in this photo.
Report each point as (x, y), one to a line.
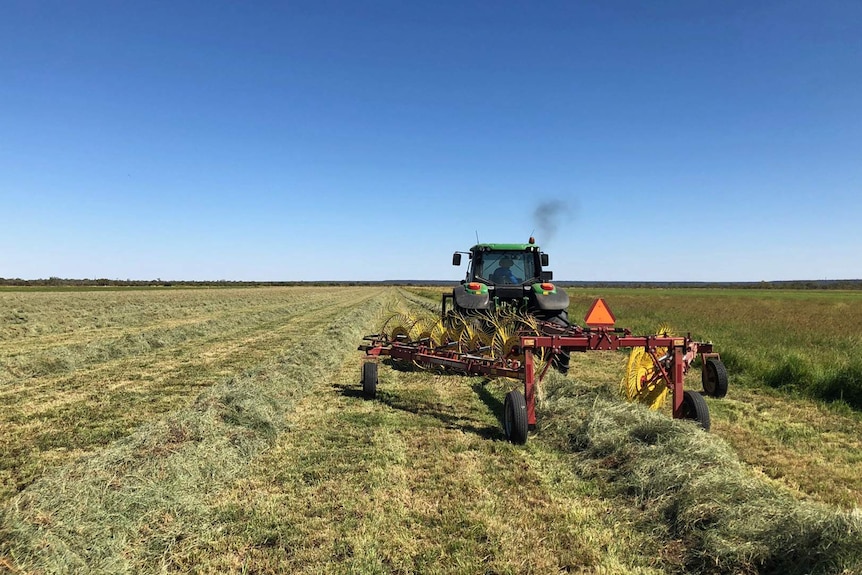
(847, 284)
(55, 282)
(799, 341)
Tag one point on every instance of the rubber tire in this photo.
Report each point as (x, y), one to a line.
(369, 379)
(515, 417)
(694, 407)
(561, 360)
(714, 378)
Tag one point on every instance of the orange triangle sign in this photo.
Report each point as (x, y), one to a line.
(600, 315)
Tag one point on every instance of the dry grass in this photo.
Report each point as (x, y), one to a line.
(88, 367)
(123, 508)
(243, 445)
(285, 468)
(419, 481)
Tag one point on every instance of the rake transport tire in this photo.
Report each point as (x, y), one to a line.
(694, 407)
(714, 378)
(369, 379)
(515, 417)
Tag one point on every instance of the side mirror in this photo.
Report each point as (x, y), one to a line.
(544, 259)
(547, 276)
(456, 259)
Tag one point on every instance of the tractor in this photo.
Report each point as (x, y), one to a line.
(504, 277)
(508, 275)
(506, 319)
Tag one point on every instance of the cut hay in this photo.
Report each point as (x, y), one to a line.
(124, 509)
(692, 488)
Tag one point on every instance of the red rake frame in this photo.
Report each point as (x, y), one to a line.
(669, 368)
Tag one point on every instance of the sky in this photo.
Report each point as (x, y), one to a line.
(687, 140)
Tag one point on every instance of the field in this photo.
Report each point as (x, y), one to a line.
(223, 430)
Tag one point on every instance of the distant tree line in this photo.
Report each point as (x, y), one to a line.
(104, 282)
(853, 284)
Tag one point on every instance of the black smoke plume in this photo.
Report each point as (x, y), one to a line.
(550, 216)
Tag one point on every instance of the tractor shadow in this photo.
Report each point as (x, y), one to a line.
(442, 412)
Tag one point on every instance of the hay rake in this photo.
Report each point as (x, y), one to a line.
(656, 368)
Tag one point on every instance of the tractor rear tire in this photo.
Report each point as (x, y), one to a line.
(714, 378)
(369, 380)
(694, 407)
(515, 417)
(562, 358)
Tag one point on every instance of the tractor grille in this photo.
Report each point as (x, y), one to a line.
(509, 292)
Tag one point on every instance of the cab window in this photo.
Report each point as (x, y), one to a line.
(506, 267)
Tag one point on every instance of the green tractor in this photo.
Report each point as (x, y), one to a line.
(504, 277)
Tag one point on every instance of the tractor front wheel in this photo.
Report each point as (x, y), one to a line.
(694, 407)
(515, 417)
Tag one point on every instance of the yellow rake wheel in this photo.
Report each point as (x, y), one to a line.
(398, 327)
(494, 335)
(473, 336)
(504, 337)
(422, 328)
(439, 334)
(642, 382)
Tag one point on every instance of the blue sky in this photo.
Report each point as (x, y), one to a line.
(685, 140)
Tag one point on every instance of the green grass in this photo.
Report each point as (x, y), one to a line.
(804, 342)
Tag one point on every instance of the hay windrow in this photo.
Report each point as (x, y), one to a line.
(123, 509)
(205, 336)
(692, 488)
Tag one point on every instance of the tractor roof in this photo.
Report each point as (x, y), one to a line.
(504, 247)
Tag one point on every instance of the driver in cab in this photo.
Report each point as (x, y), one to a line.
(503, 274)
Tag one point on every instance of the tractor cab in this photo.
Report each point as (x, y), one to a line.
(505, 264)
(511, 274)
(503, 267)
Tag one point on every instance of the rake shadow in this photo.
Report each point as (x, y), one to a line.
(431, 409)
(353, 390)
(489, 399)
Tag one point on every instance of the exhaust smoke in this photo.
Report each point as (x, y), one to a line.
(550, 216)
